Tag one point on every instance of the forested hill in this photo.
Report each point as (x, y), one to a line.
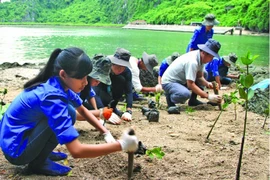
(251, 14)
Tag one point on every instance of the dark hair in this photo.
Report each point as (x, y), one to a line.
(72, 60)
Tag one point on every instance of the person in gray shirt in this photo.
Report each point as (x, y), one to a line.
(186, 73)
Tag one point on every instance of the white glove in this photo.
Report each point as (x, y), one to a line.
(114, 119)
(126, 116)
(108, 137)
(214, 98)
(158, 88)
(129, 143)
(209, 85)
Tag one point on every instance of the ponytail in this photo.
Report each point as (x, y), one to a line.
(45, 72)
(72, 60)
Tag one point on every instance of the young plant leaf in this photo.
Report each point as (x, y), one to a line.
(242, 93)
(189, 110)
(248, 81)
(155, 152)
(225, 105)
(246, 60)
(250, 93)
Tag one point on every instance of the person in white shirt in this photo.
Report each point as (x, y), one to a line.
(186, 73)
(147, 62)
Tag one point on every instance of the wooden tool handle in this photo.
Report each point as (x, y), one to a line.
(130, 158)
(214, 83)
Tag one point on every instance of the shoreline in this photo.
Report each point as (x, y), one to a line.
(172, 28)
(186, 28)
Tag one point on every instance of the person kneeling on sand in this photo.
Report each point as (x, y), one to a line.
(218, 69)
(186, 73)
(147, 62)
(121, 84)
(100, 74)
(43, 115)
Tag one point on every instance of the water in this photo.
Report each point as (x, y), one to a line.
(34, 44)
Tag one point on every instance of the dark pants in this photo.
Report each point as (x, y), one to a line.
(223, 79)
(110, 95)
(41, 142)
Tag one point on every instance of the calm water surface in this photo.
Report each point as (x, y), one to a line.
(34, 44)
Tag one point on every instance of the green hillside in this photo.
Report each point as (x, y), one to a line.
(252, 14)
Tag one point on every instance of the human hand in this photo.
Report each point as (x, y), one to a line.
(209, 85)
(108, 137)
(127, 116)
(129, 143)
(158, 88)
(105, 112)
(115, 119)
(214, 98)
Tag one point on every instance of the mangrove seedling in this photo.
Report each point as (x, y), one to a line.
(155, 152)
(232, 98)
(124, 107)
(157, 96)
(246, 93)
(266, 113)
(223, 107)
(189, 110)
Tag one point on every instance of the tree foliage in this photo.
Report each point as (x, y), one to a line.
(253, 15)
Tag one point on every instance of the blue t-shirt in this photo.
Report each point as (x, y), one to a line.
(163, 66)
(47, 101)
(213, 66)
(200, 36)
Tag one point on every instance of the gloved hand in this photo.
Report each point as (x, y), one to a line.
(214, 98)
(115, 119)
(105, 113)
(209, 85)
(127, 116)
(108, 137)
(158, 88)
(129, 143)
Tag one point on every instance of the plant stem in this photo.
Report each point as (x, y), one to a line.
(235, 113)
(242, 143)
(264, 121)
(213, 125)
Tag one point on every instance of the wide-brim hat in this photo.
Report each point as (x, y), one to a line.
(210, 20)
(171, 58)
(231, 58)
(121, 57)
(101, 69)
(150, 61)
(211, 47)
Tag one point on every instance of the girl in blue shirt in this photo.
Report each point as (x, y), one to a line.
(42, 116)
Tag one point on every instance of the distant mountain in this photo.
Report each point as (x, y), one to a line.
(251, 14)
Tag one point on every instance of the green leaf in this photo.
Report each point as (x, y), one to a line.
(248, 81)
(250, 93)
(242, 80)
(225, 105)
(246, 61)
(155, 152)
(266, 111)
(242, 93)
(255, 57)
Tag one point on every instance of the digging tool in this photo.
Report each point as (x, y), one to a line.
(216, 92)
(130, 158)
